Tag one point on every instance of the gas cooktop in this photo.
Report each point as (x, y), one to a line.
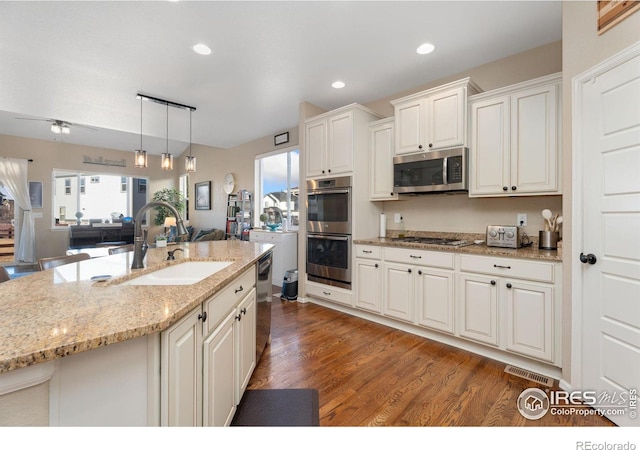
(430, 240)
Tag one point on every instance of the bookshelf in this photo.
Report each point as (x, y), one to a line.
(239, 215)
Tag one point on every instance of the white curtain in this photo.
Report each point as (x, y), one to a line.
(13, 174)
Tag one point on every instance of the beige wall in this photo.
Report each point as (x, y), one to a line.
(49, 155)
(214, 163)
(582, 49)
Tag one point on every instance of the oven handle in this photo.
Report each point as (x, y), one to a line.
(328, 191)
(328, 237)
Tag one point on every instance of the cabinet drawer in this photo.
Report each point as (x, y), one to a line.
(331, 293)
(218, 306)
(419, 257)
(528, 270)
(368, 251)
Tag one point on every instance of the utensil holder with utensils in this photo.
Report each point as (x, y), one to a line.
(548, 240)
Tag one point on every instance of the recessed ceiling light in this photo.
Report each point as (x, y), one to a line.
(201, 49)
(425, 48)
(338, 84)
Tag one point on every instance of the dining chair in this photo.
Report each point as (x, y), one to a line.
(55, 261)
(121, 249)
(4, 275)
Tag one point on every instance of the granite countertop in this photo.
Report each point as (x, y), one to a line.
(59, 312)
(532, 252)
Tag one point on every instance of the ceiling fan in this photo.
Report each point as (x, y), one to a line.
(59, 126)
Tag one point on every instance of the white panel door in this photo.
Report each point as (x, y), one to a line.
(534, 140)
(489, 152)
(398, 299)
(478, 304)
(381, 147)
(434, 297)
(410, 124)
(445, 111)
(316, 148)
(340, 144)
(369, 285)
(246, 339)
(219, 373)
(609, 136)
(182, 372)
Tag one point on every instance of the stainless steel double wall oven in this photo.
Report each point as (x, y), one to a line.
(329, 231)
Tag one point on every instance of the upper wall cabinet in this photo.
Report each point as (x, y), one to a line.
(381, 146)
(514, 140)
(433, 119)
(329, 140)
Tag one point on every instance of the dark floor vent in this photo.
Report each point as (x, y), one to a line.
(528, 375)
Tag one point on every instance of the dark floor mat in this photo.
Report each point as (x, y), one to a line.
(278, 408)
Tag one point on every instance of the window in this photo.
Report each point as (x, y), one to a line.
(106, 197)
(277, 184)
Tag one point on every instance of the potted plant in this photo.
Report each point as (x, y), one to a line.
(161, 240)
(263, 218)
(171, 196)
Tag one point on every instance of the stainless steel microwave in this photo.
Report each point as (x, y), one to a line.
(432, 172)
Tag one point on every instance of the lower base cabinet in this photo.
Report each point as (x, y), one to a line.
(208, 358)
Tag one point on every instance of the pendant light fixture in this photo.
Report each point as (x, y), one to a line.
(190, 161)
(140, 156)
(167, 158)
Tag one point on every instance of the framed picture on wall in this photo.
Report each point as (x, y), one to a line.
(203, 195)
(35, 193)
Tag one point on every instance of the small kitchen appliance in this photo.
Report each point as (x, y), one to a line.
(507, 236)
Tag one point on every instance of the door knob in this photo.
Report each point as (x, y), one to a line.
(590, 258)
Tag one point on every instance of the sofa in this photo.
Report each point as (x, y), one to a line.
(200, 235)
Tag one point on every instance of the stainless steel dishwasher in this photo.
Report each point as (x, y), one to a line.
(264, 296)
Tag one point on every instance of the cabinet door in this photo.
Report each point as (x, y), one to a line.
(381, 147)
(410, 122)
(181, 399)
(340, 144)
(316, 147)
(478, 308)
(489, 153)
(529, 318)
(534, 140)
(369, 285)
(434, 298)
(398, 298)
(445, 118)
(219, 373)
(246, 337)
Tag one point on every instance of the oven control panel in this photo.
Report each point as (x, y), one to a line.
(508, 236)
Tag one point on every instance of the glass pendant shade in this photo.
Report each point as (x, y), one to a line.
(190, 163)
(140, 158)
(167, 161)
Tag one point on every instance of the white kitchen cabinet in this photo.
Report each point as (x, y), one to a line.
(433, 119)
(181, 378)
(478, 305)
(329, 140)
(399, 291)
(285, 251)
(514, 139)
(368, 278)
(434, 298)
(511, 304)
(208, 356)
(381, 146)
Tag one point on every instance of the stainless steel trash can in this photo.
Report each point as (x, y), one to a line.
(290, 285)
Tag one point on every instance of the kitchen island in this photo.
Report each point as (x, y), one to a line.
(56, 315)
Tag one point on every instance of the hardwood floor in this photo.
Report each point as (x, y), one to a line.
(368, 374)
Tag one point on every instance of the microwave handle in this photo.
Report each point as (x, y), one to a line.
(328, 237)
(444, 170)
